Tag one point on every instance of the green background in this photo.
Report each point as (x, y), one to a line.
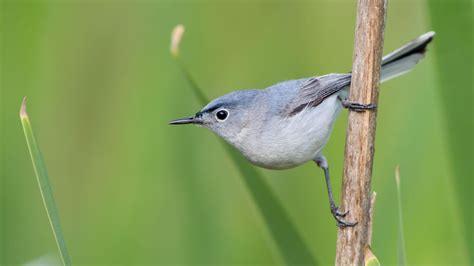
(130, 189)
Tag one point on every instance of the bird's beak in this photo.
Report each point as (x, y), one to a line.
(184, 121)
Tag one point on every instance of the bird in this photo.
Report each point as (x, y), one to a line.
(289, 123)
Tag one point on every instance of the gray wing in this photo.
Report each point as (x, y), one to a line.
(315, 90)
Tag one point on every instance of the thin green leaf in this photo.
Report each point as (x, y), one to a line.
(402, 258)
(289, 242)
(44, 186)
(194, 87)
(370, 258)
(453, 22)
(176, 37)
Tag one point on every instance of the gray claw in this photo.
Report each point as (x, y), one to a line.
(341, 214)
(338, 215)
(357, 107)
(342, 224)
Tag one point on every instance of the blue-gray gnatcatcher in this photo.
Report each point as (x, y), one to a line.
(289, 123)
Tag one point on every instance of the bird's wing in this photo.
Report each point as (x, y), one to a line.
(315, 90)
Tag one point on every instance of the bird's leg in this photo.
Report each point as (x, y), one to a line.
(358, 107)
(322, 162)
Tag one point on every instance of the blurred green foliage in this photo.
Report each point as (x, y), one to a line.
(130, 189)
(456, 86)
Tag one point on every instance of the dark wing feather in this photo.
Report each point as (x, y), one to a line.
(315, 90)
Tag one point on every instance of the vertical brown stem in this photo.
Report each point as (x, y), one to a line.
(359, 153)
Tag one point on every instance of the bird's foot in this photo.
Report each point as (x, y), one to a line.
(357, 107)
(339, 215)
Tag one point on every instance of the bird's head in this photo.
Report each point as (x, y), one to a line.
(227, 115)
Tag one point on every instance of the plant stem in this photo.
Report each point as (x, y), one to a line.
(352, 242)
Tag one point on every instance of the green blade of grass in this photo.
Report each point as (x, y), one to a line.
(402, 258)
(370, 258)
(453, 50)
(289, 242)
(44, 186)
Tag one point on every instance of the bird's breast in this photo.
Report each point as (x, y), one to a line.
(286, 142)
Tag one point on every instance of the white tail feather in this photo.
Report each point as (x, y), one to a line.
(405, 58)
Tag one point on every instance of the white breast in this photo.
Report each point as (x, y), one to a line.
(291, 141)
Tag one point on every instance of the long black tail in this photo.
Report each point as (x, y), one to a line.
(405, 58)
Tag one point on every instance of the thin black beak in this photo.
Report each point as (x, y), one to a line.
(184, 121)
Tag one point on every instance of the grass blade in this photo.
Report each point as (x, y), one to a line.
(176, 37)
(370, 258)
(289, 242)
(44, 186)
(453, 22)
(402, 258)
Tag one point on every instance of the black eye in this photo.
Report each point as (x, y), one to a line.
(222, 115)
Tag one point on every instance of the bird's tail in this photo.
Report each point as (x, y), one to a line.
(405, 58)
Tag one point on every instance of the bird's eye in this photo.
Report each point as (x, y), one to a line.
(222, 115)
